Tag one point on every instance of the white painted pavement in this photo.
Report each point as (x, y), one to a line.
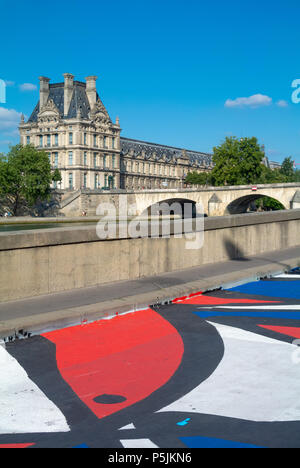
(24, 408)
(256, 381)
(138, 443)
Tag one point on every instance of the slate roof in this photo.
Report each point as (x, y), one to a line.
(171, 153)
(79, 101)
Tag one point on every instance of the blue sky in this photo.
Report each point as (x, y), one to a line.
(183, 73)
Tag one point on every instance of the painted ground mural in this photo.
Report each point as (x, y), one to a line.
(211, 370)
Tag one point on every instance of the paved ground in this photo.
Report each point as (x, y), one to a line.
(211, 370)
(69, 307)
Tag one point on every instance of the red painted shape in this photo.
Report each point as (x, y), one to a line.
(8, 446)
(201, 299)
(290, 331)
(131, 355)
(183, 298)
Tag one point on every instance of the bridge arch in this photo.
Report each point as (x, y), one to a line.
(181, 207)
(247, 203)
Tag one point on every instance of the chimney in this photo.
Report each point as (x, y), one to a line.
(44, 90)
(91, 90)
(68, 91)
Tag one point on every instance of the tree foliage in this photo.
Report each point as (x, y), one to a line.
(241, 162)
(237, 162)
(25, 176)
(196, 178)
(287, 169)
(268, 204)
(56, 176)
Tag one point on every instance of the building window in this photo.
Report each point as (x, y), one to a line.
(95, 140)
(56, 139)
(85, 158)
(84, 139)
(28, 140)
(70, 138)
(41, 140)
(113, 142)
(70, 158)
(48, 140)
(95, 159)
(49, 156)
(104, 162)
(105, 180)
(84, 180)
(105, 142)
(55, 159)
(70, 180)
(113, 161)
(96, 181)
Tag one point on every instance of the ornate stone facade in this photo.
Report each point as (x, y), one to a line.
(71, 123)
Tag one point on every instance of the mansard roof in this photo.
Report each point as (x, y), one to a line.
(137, 147)
(79, 101)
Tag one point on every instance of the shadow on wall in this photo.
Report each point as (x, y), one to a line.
(234, 252)
(47, 208)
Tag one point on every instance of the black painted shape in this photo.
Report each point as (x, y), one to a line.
(37, 356)
(109, 399)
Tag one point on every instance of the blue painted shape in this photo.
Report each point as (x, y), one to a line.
(208, 442)
(184, 423)
(81, 446)
(292, 315)
(281, 289)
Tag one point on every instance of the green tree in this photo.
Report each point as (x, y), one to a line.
(56, 176)
(25, 176)
(297, 175)
(237, 162)
(287, 169)
(269, 204)
(195, 178)
(270, 176)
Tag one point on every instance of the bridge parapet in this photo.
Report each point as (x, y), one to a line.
(214, 200)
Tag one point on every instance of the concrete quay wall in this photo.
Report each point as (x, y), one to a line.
(34, 263)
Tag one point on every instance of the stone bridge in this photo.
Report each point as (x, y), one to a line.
(216, 201)
(219, 201)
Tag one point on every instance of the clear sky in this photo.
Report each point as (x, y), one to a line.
(185, 73)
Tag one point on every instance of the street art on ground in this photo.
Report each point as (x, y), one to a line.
(210, 370)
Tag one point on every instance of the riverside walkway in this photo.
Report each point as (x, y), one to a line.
(77, 306)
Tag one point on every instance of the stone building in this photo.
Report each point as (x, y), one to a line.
(71, 123)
